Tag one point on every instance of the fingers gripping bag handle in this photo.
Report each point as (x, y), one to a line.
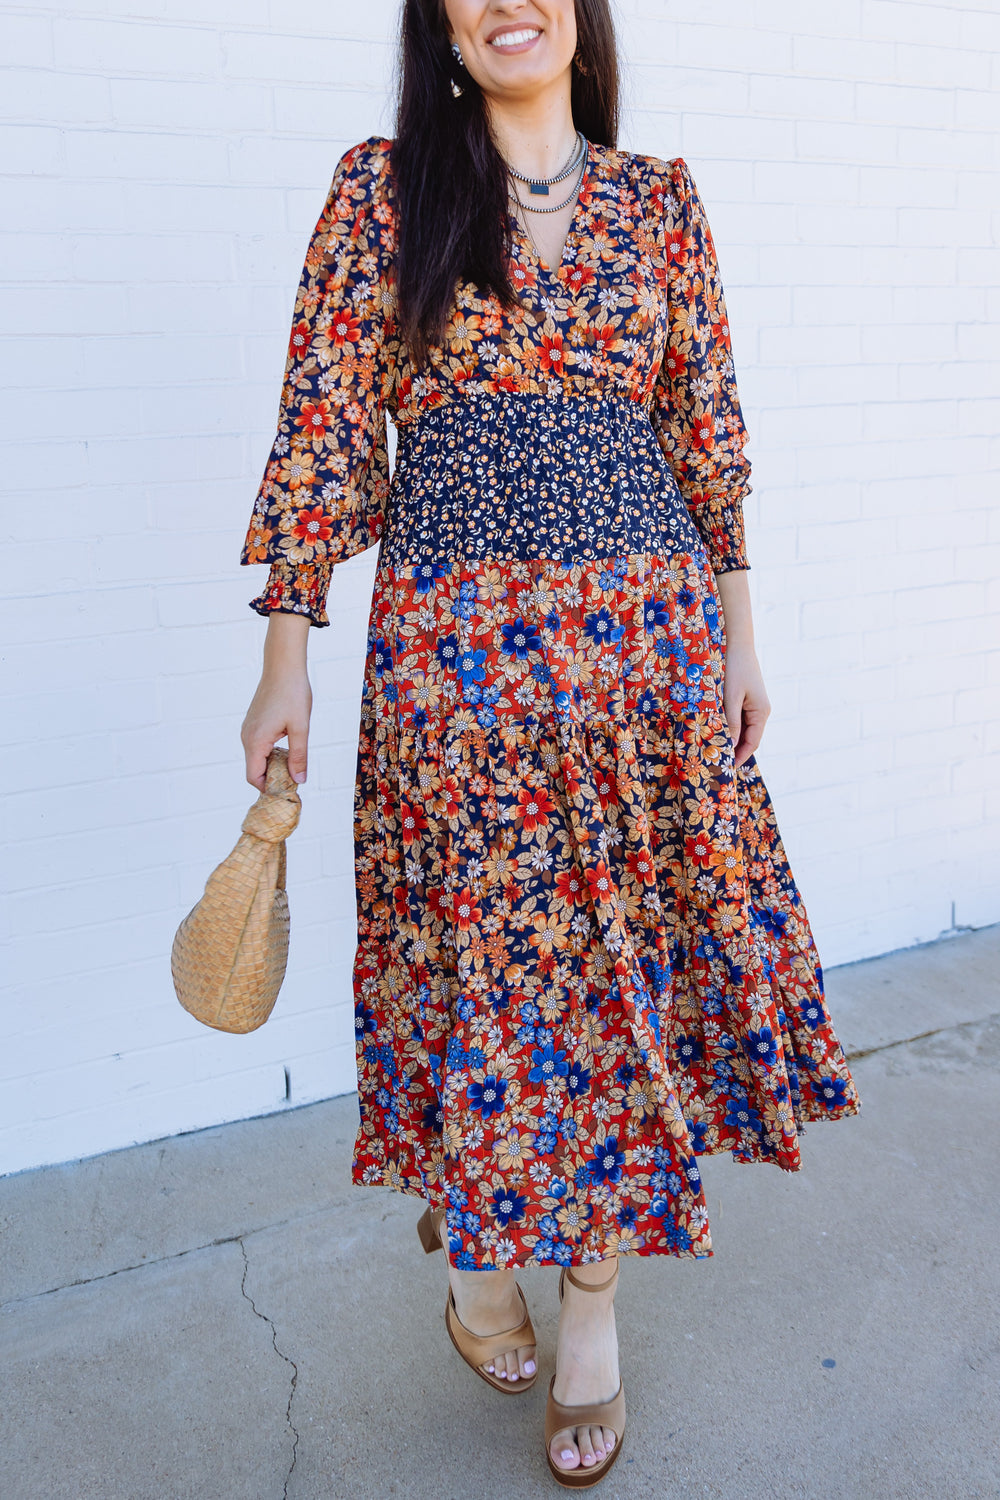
(229, 954)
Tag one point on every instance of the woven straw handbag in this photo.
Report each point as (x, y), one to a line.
(229, 954)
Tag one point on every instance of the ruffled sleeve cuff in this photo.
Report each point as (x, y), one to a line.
(296, 590)
(720, 524)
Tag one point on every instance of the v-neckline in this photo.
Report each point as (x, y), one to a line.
(529, 243)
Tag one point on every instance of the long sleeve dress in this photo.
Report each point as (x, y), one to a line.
(582, 959)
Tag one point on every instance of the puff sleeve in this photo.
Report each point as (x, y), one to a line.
(323, 494)
(696, 409)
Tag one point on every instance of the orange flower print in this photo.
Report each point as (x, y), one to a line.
(698, 847)
(604, 338)
(703, 433)
(315, 417)
(298, 344)
(727, 863)
(570, 888)
(535, 806)
(313, 526)
(464, 333)
(411, 821)
(465, 910)
(601, 884)
(674, 362)
(257, 540)
(641, 865)
(550, 353)
(297, 470)
(549, 934)
(344, 328)
(578, 278)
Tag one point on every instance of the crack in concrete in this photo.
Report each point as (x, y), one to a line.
(906, 1041)
(161, 1260)
(281, 1355)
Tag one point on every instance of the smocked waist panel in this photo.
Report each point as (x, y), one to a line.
(527, 476)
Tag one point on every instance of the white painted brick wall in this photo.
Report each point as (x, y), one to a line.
(167, 160)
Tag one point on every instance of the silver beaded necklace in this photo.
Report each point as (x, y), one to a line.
(541, 185)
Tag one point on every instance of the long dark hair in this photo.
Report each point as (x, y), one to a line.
(450, 179)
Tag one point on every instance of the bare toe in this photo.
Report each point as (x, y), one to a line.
(526, 1361)
(565, 1453)
(587, 1455)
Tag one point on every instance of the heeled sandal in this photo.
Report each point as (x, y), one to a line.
(478, 1349)
(601, 1414)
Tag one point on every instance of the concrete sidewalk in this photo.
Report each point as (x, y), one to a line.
(221, 1315)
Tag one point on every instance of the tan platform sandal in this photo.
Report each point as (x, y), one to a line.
(477, 1350)
(602, 1414)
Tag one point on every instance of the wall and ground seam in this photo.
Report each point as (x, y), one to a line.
(167, 161)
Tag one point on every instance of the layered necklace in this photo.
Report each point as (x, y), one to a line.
(539, 186)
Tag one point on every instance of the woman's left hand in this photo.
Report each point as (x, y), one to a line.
(745, 700)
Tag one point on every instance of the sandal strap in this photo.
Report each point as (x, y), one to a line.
(587, 1286)
(603, 1414)
(477, 1348)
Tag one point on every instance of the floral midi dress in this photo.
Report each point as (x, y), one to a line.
(582, 959)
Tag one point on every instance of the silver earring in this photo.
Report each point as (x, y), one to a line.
(457, 88)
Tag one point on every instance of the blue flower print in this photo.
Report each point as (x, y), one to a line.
(426, 575)
(692, 1172)
(447, 652)
(471, 668)
(579, 1081)
(546, 1136)
(547, 1063)
(655, 612)
(677, 1237)
(381, 656)
(761, 1047)
(741, 1116)
(520, 638)
(812, 1013)
(507, 1207)
(601, 628)
(364, 1019)
(689, 1050)
(487, 1097)
(607, 1162)
(433, 1118)
(832, 1091)
(464, 607)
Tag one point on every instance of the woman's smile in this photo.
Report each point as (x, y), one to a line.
(515, 41)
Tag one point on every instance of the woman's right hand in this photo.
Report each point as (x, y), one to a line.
(283, 701)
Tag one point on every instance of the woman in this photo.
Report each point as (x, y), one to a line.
(583, 961)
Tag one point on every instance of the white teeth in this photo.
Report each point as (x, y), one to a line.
(513, 38)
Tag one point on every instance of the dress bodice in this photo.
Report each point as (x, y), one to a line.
(634, 312)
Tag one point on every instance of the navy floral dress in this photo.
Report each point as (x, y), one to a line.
(582, 959)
